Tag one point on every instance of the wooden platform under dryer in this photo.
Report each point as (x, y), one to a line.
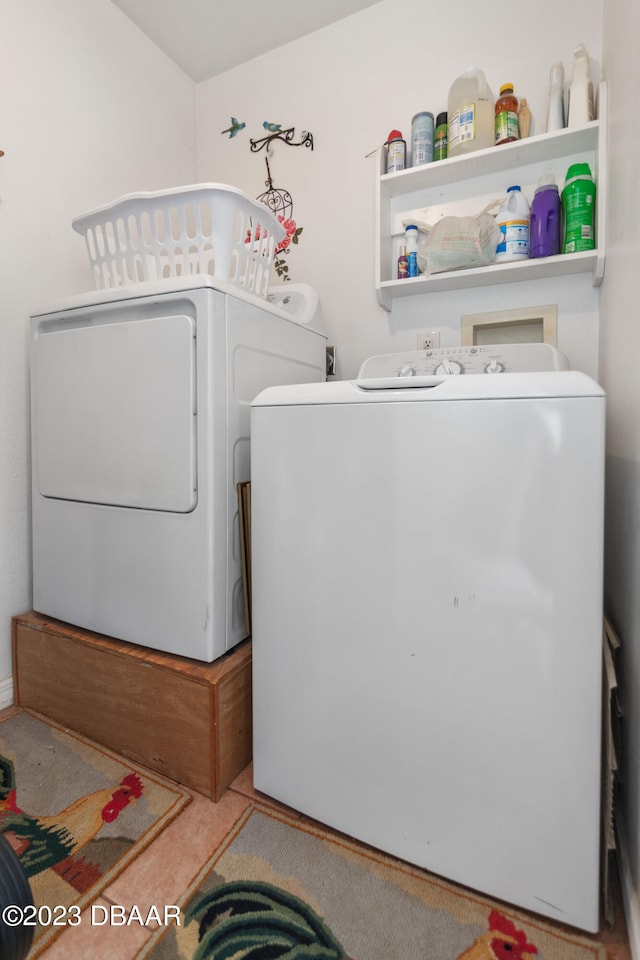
(188, 720)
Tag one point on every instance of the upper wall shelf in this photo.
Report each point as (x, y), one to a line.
(482, 176)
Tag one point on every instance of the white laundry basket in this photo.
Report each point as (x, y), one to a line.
(206, 228)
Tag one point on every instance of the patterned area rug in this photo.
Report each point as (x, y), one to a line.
(75, 813)
(279, 889)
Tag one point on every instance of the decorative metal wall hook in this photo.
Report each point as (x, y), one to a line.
(269, 181)
(278, 200)
(285, 136)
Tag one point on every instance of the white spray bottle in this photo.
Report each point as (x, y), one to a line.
(581, 90)
(555, 112)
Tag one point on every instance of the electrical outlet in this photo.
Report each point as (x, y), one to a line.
(429, 340)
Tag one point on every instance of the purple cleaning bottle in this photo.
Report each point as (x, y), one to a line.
(544, 230)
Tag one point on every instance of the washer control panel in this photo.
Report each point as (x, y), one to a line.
(453, 361)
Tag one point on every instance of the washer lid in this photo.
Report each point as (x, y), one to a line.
(430, 389)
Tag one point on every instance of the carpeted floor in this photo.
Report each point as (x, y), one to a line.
(283, 888)
(248, 863)
(76, 815)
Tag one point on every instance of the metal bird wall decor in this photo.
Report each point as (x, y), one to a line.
(235, 128)
(277, 199)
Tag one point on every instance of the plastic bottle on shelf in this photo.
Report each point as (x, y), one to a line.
(506, 116)
(524, 118)
(513, 221)
(396, 152)
(544, 228)
(555, 110)
(579, 205)
(403, 263)
(581, 90)
(471, 114)
(421, 138)
(441, 137)
(411, 235)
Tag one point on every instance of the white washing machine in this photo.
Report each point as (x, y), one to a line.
(427, 615)
(140, 433)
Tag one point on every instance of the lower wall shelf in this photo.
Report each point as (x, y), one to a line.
(559, 266)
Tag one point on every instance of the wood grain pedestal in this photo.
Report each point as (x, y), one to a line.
(188, 720)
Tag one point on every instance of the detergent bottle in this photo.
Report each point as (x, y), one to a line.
(544, 229)
(579, 206)
(471, 114)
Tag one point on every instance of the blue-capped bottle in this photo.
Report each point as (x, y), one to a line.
(411, 235)
(513, 219)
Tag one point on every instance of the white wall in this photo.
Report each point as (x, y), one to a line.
(90, 110)
(620, 345)
(350, 84)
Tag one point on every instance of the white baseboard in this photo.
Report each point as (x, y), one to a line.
(6, 692)
(630, 894)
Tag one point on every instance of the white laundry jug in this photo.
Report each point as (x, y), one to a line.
(513, 219)
(471, 113)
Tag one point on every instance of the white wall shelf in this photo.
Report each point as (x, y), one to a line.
(447, 186)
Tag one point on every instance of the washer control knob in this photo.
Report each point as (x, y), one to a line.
(494, 366)
(449, 367)
(406, 370)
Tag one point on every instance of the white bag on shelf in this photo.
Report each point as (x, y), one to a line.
(456, 243)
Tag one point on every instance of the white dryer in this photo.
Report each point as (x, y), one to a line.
(140, 433)
(427, 615)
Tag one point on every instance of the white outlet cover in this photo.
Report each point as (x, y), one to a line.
(428, 335)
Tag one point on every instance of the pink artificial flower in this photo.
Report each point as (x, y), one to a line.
(259, 232)
(290, 227)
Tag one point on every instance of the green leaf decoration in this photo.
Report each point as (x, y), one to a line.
(46, 845)
(258, 921)
(7, 777)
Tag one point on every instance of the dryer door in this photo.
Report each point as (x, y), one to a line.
(114, 414)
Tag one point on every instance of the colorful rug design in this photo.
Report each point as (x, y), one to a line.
(280, 889)
(75, 813)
